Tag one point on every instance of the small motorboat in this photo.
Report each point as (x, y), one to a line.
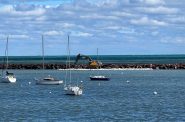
(99, 77)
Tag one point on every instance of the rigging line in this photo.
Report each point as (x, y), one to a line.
(43, 59)
(69, 61)
(66, 70)
(97, 61)
(42, 52)
(4, 60)
(65, 73)
(97, 54)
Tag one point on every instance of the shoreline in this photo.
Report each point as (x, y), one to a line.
(103, 67)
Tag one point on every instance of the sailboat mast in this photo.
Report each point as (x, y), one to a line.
(5, 59)
(42, 52)
(69, 60)
(98, 58)
(97, 54)
(6, 52)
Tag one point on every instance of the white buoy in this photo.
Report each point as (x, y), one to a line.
(50, 92)
(29, 82)
(81, 81)
(127, 81)
(155, 93)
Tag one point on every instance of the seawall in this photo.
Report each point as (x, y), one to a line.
(106, 66)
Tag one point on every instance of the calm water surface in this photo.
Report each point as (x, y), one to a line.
(123, 59)
(114, 100)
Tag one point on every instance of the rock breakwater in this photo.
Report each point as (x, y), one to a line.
(105, 66)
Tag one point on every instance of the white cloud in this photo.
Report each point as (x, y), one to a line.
(53, 33)
(97, 16)
(112, 27)
(148, 2)
(35, 12)
(3, 37)
(68, 25)
(19, 36)
(159, 10)
(122, 14)
(41, 18)
(6, 9)
(127, 30)
(15, 36)
(10, 9)
(148, 22)
(153, 2)
(108, 3)
(173, 40)
(179, 19)
(81, 34)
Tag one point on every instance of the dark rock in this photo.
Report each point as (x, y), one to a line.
(84, 66)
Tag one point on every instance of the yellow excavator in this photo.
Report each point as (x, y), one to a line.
(92, 63)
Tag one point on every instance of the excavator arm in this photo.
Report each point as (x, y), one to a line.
(92, 63)
(83, 57)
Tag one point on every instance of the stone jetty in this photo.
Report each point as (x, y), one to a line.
(106, 66)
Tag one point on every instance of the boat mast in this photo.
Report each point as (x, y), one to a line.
(5, 59)
(6, 52)
(98, 58)
(69, 59)
(42, 52)
(97, 54)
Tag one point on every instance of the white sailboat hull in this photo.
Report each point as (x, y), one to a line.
(8, 79)
(49, 82)
(73, 90)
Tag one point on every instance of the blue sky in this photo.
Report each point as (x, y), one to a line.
(116, 27)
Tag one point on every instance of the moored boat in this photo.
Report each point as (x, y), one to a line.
(71, 89)
(99, 77)
(8, 77)
(47, 80)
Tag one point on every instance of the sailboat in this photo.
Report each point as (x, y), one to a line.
(70, 89)
(8, 77)
(99, 77)
(49, 80)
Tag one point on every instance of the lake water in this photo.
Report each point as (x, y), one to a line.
(123, 59)
(153, 95)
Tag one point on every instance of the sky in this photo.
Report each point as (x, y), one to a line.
(115, 27)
